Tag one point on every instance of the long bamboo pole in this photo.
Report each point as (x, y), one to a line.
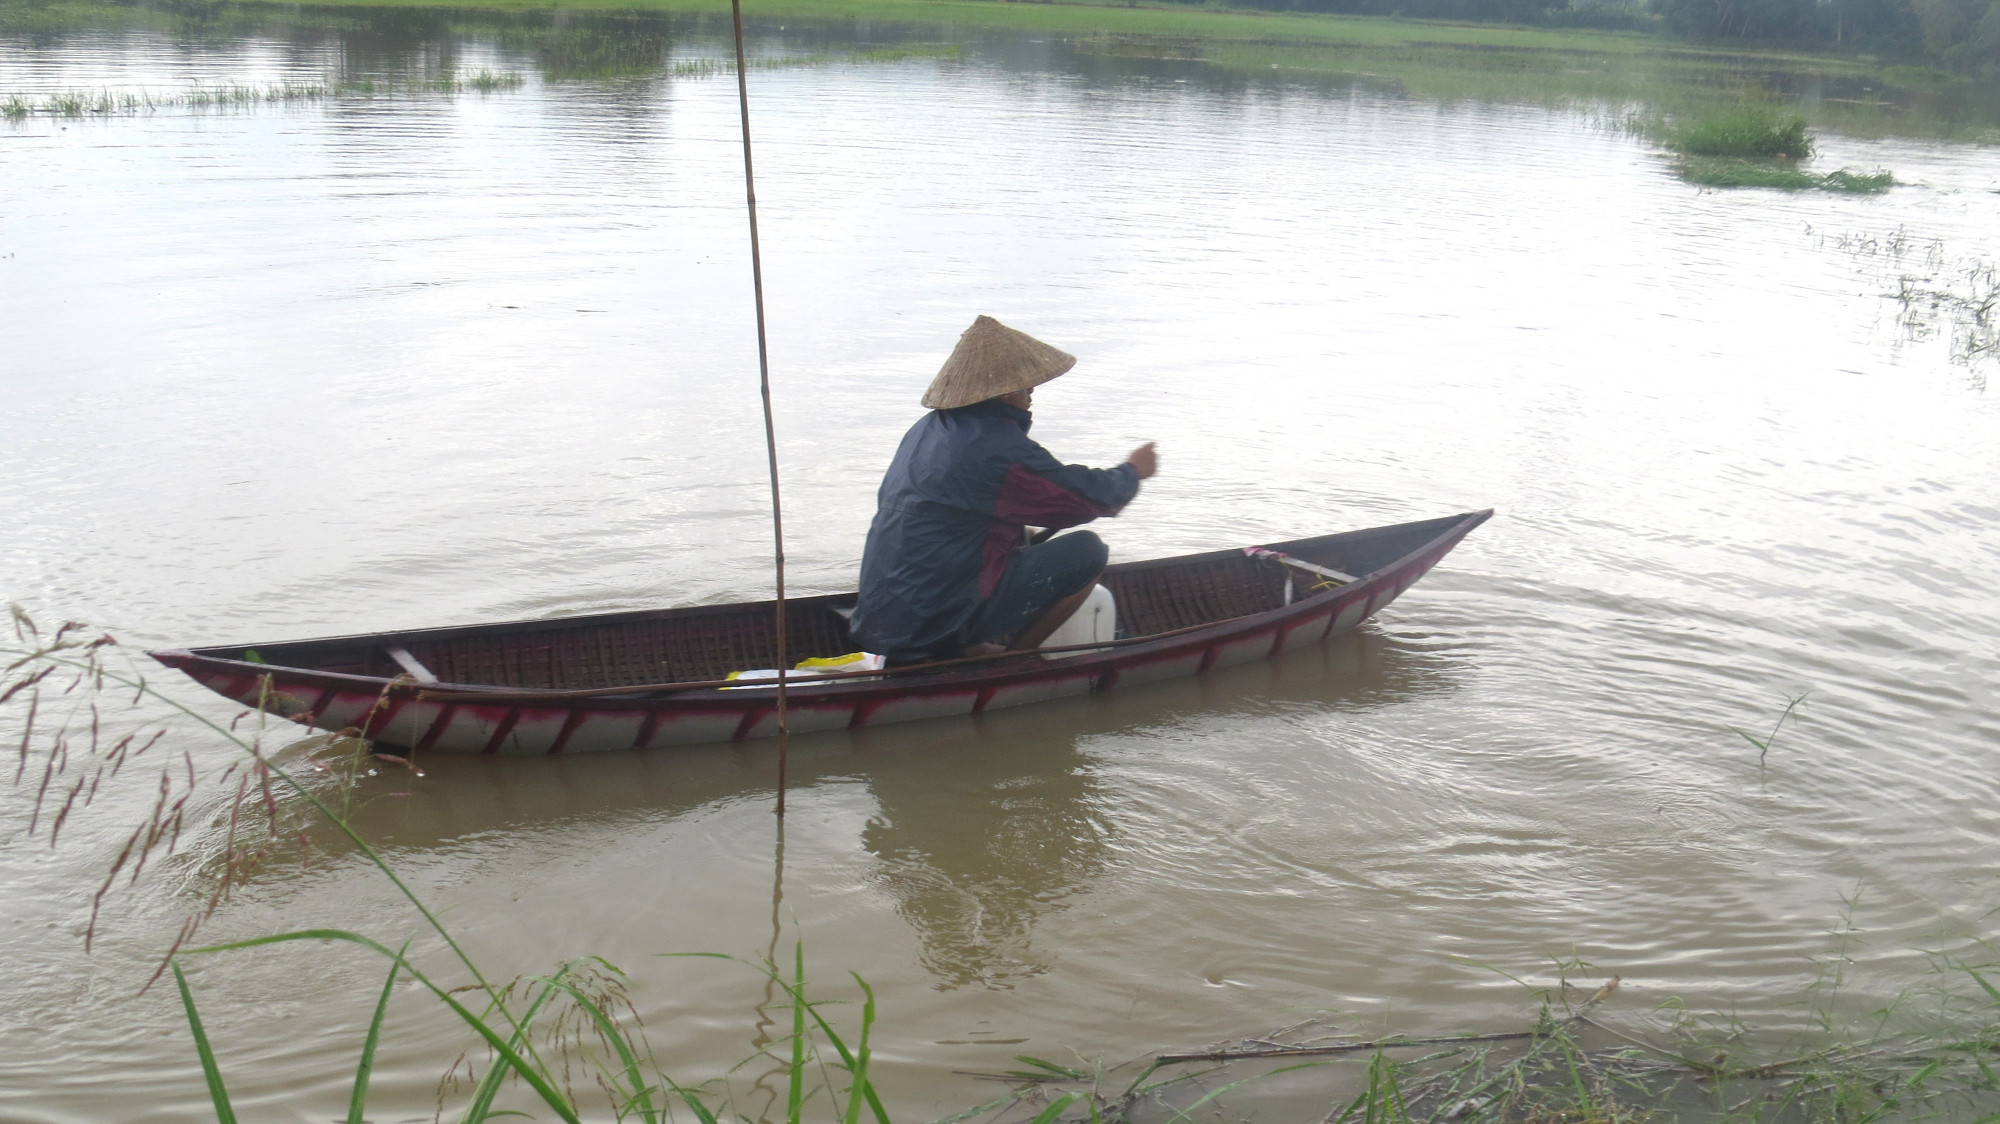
(764, 387)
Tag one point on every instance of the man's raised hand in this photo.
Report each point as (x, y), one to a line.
(1144, 460)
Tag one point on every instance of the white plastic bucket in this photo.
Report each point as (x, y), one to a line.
(1095, 622)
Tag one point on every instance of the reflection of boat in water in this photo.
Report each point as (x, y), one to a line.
(658, 677)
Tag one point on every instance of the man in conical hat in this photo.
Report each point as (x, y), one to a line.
(948, 570)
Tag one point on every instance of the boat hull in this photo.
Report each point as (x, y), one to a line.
(398, 713)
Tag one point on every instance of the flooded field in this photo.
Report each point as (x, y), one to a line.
(375, 342)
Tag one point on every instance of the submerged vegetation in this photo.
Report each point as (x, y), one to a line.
(1935, 294)
(568, 1042)
(1963, 300)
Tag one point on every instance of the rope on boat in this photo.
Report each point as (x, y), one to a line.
(764, 387)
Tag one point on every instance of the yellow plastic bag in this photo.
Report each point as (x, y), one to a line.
(852, 661)
(815, 667)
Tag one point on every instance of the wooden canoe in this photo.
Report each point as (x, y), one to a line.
(638, 680)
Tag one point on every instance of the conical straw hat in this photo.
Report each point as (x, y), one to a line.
(990, 360)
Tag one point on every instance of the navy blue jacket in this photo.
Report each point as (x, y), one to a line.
(949, 516)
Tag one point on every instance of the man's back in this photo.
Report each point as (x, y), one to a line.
(949, 516)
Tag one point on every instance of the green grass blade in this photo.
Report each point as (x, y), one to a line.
(1048, 1115)
(218, 1095)
(362, 1071)
(1137, 1081)
(795, 991)
(536, 1081)
(695, 1104)
(847, 1056)
(1988, 988)
(861, 1089)
(795, 1093)
(1916, 1079)
(481, 1105)
(1062, 1071)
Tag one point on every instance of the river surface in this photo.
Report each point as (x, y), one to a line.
(413, 359)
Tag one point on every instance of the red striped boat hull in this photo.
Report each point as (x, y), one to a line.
(398, 713)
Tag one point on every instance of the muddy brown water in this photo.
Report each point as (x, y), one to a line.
(417, 359)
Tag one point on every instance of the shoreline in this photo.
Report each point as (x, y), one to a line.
(1617, 76)
(1210, 25)
(1621, 78)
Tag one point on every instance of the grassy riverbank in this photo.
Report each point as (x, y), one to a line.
(1066, 17)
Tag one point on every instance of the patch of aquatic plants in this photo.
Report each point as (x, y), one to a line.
(87, 103)
(1746, 130)
(1781, 175)
(1751, 144)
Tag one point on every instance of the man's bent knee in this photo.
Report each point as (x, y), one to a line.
(1086, 549)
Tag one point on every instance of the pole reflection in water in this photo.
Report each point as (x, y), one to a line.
(770, 1094)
